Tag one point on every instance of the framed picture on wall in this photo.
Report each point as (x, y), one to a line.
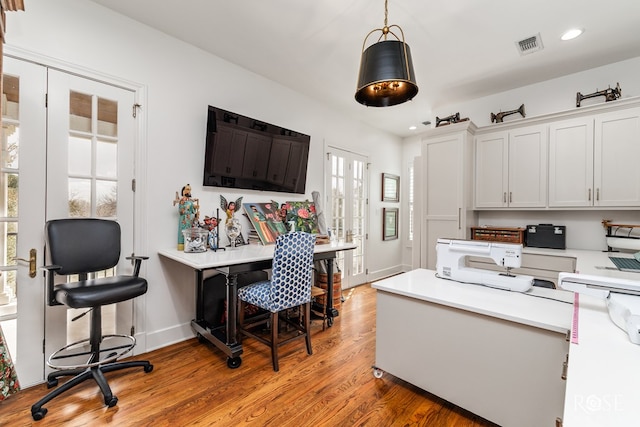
(390, 188)
(389, 223)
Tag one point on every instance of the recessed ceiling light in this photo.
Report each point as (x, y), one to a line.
(413, 127)
(572, 34)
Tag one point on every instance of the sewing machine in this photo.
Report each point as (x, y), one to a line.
(622, 296)
(450, 263)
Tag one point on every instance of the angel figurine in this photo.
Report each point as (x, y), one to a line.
(232, 224)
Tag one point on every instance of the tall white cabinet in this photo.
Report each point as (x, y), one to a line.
(446, 197)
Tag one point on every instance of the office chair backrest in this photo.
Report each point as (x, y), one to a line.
(292, 269)
(82, 245)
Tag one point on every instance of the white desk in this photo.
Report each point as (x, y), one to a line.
(231, 262)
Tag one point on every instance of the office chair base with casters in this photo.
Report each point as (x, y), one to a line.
(67, 362)
(83, 246)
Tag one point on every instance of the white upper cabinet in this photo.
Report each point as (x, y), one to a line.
(593, 160)
(511, 168)
(571, 163)
(616, 171)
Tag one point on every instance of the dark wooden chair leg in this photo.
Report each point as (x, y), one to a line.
(274, 341)
(307, 326)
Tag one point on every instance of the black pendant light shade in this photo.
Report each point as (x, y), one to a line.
(386, 71)
(386, 75)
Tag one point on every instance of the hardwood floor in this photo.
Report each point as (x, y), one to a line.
(191, 385)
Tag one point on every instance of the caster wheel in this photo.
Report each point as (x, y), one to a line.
(39, 414)
(201, 339)
(377, 372)
(234, 362)
(52, 383)
(111, 402)
(330, 322)
(148, 368)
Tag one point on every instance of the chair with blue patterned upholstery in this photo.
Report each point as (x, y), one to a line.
(289, 287)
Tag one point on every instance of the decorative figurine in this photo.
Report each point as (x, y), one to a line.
(454, 118)
(609, 94)
(213, 225)
(497, 118)
(232, 224)
(188, 209)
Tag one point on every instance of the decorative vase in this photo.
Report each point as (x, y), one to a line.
(233, 228)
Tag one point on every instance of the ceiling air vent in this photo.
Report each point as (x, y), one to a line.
(530, 45)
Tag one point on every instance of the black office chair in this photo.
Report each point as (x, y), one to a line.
(83, 246)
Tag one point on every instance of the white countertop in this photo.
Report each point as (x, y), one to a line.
(239, 255)
(543, 308)
(603, 377)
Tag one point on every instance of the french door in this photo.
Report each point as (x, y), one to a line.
(347, 201)
(71, 156)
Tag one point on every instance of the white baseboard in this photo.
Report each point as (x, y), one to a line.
(162, 338)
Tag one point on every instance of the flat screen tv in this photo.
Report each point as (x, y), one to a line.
(246, 153)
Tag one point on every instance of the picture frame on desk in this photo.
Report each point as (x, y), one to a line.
(389, 223)
(390, 188)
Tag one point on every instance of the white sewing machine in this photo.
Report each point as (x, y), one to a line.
(622, 296)
(450, 263)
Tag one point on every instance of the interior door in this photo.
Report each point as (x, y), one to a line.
(68, 145)
(347, 201)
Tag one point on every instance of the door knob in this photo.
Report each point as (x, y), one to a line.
(31, 261)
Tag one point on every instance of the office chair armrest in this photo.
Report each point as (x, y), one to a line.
(137, 260)
(49, 271)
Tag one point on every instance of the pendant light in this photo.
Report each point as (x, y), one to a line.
(386, 75)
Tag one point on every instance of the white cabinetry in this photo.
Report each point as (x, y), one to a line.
(511, 168)
(593, 160)
(447, 191)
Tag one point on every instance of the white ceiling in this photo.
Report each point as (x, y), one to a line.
(461, 49)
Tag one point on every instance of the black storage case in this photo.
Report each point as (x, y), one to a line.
(215, 291)
(546, 236)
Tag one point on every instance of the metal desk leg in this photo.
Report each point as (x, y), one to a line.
(331, 312)
(224, 340)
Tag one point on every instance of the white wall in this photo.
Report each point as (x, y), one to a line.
(584, 228)
(179, 82)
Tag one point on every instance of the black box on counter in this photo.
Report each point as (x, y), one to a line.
(546, 236)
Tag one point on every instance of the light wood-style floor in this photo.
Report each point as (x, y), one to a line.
(191, 385)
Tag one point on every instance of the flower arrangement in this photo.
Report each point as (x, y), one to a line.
(303, 214)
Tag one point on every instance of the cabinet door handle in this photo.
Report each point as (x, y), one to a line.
(589, 194)
(597, 194)
(504, 197)
(510, 197)
(565, 367)
(459, 218)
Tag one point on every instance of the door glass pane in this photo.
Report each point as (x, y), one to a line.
(80, 112)
(107, 197)
(79, 156)
(107, 117)
(79, 198)
(106, 159)
(9, 196)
